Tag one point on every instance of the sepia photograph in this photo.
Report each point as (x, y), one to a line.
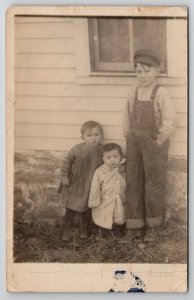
(97, 112)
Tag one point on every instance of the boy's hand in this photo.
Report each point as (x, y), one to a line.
(65, 181)
(158, 142)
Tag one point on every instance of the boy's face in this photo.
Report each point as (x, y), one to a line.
(112, 158)
(145, 74)
(92, 137)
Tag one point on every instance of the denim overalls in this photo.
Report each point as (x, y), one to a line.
(145, 167)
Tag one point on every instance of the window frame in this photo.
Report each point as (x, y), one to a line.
(96, 65)
(85, 74)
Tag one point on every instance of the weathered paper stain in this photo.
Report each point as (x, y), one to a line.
(127, 282)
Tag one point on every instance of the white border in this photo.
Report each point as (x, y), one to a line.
(75, 277)
(4, 5)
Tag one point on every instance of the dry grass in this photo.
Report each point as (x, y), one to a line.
(41, 243)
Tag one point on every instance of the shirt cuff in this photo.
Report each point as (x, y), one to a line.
(160, 139)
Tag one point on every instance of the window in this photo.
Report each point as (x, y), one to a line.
(113, 42)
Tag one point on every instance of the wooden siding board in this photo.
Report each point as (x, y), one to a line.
(44, 30)
(45, 61)
(62, 144)
(57, 89)
(73, 131)
(83, 103)
(45, 19)
(45, 75)
(69, 117)
(44, 45)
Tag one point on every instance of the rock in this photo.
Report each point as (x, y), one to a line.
(176, 190)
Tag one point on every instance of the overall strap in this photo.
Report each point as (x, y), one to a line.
(135, 98)
(154, 91)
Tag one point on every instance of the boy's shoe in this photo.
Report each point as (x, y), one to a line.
(119, 230)
(105, 234)
(67, 234)
(128, 238)
(83, 231)
(151, 234)
(131, 235)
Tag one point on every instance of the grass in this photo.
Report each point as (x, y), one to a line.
(41, 243)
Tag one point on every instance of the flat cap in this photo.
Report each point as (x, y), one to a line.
(147, 57)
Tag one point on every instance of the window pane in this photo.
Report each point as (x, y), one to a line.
(151, 34)
(113, 37)
(113, 42)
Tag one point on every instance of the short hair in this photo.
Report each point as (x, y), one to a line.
(112, 146)
(90, 125)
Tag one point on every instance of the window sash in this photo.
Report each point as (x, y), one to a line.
(112, 66)
(97, 65)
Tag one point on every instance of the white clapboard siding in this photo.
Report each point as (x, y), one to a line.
(45, 61)
(26, 19)
(70, 117)
(44, 45)
(58, 89)
(69, 131)
(83, 103)
(44, 30)
(71, 103)
(65, 117)
(63, 144)
(51, 103)
(45, 75)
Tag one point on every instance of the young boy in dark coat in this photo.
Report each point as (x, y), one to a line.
(76, 175)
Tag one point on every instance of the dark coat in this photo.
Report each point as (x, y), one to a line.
(79, 166)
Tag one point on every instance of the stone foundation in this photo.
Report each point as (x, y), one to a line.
(37, 177)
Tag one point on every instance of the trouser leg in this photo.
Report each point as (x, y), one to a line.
(67, 228)
(85, 218)
(135, 183)
(69, 216)
(155, 164)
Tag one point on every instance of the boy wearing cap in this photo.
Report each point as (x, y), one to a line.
(149, 121)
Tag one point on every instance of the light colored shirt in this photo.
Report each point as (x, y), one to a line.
(164, 112)
(107, 197)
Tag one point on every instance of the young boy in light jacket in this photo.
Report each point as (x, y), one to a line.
(107, 193)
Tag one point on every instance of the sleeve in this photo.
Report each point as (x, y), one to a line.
(168, 116)
(95, 191)
(122, 167)
(126, 120)
(126, 124)
(66, 165)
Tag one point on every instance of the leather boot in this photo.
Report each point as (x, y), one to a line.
(131, 235)
(67, 233)
(151, 234)
(83, 230)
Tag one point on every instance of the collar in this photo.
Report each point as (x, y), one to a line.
(90, 147)
(144, 93)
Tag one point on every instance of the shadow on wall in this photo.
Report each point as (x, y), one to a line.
(37, 176)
